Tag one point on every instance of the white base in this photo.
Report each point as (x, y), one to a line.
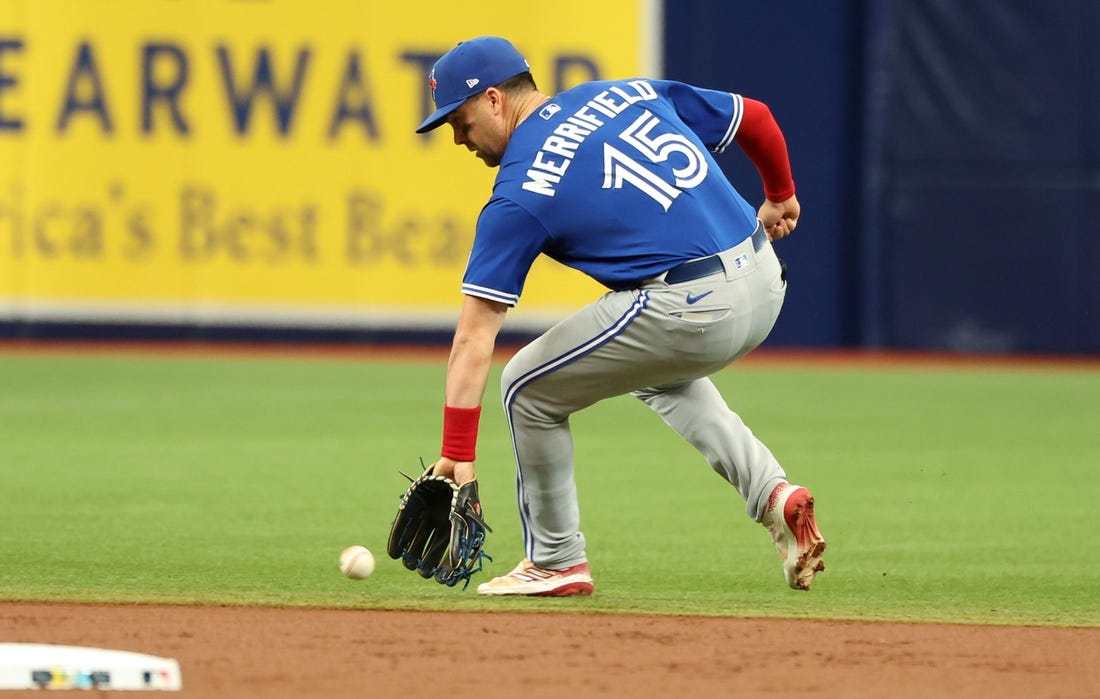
(44, 666)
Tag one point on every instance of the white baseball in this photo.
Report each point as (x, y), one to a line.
(357, 562)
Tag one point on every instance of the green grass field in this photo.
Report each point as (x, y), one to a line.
(947, 494)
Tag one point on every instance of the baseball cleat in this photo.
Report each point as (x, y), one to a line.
(790, 519)
(530, 580)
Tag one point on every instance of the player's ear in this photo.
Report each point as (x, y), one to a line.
(495, 99)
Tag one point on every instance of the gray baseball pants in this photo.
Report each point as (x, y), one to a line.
(658, 342)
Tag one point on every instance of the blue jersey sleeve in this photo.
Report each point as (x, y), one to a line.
(714, 116)
(507, 241)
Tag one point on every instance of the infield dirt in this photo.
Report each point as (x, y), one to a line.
(273, 653)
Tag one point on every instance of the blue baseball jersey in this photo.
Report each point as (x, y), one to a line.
(615, 179)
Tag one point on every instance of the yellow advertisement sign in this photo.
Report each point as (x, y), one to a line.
(206, 159)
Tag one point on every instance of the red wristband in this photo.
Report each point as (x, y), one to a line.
(460, 432)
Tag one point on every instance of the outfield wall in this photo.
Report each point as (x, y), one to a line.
(198, 168)
(947, 156)
(204, 162)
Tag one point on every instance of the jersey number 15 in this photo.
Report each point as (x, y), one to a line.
(620, 168)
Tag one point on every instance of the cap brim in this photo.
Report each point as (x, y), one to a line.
(439, 116)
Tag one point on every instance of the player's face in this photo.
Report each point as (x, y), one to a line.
(479, 126)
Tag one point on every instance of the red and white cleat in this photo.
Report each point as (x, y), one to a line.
(530, 580)
(790, 519)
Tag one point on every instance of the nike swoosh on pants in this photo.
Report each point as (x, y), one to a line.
(695, 299)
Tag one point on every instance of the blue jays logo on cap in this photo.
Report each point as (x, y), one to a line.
(467, 70)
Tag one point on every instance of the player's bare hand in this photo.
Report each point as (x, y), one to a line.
(458, 471)
(780, 217)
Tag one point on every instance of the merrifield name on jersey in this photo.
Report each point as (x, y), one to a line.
(551, 162)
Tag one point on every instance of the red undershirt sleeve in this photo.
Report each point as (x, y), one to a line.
(759, 136)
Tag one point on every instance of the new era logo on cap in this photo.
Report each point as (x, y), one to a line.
(469, 69)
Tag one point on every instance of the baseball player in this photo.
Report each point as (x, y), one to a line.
(616, 179)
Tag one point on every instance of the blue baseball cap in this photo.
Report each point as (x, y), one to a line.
(469, 69)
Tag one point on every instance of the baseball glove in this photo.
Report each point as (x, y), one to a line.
(438, 530)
